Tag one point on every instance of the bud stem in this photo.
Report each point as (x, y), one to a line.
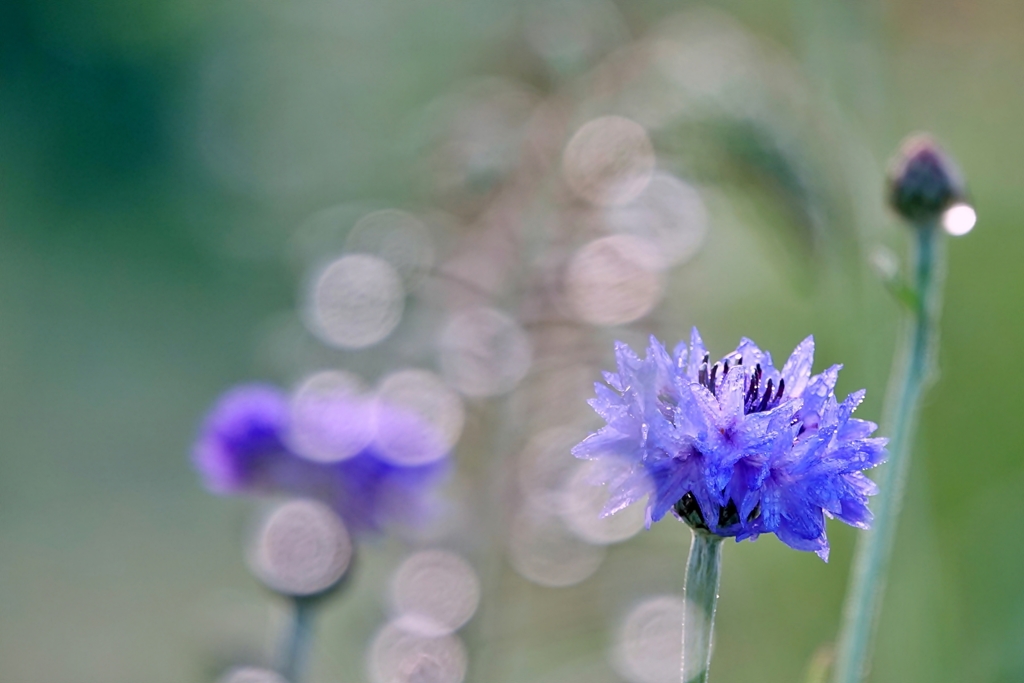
(874, 547)
(700, 593)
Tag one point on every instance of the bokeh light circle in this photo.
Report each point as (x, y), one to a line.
(399, 656)
(544, 467)
(427, 395)
(959, 219)
(302, 548)
(331, 418)
(609, 161)
(397, 237)
(545, 552)
(251, 674)
(669, 213)
(582, 504)
(434, 593)
(355, 302)
(614, 280)
(484, 352)
(648, 644)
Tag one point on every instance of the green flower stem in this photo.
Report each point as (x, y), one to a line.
(700, 590)
(298, 640)
(874, 549)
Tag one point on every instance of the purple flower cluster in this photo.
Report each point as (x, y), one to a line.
(735, 448)
(372, 462)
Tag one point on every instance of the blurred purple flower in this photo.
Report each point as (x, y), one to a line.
(372, 462)
(738, 448)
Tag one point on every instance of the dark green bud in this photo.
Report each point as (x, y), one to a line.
(923, 180)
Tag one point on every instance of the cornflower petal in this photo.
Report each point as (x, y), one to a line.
(731, 396)
(696, 355)
(797, 370)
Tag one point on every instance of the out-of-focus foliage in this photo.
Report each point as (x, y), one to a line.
(179, 183)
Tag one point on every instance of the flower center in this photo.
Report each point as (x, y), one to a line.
(754, 400)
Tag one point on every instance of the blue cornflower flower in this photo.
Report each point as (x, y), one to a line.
(738, 448)
(375, 463)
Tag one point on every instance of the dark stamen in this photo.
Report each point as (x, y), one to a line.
(711, 380)
(755, 380)
(755, 513)
(728, 515)
(767, 396)
(688, 510)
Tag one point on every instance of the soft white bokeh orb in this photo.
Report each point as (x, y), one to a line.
(648, 644)
(330, 417)
(583, 502)
(484, 352)
(399, 656)
(614, 280)
(608, 161)
(302, 548)
(545, 552)
(959, 219)
(398, 237)
(545, 466)
(669, 213)
(434, 593)
(355, 302)
(427, 395)
(251, 674)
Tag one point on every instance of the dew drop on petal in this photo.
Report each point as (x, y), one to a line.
(434, 593)
(355, 302)
(609, 161)
(959, 219)
(301, 548)
(398, 656)
(614, 280)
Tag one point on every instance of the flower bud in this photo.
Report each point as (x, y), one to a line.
(923, 180)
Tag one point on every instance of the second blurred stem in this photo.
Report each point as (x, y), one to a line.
(700, 599)
(874, 549)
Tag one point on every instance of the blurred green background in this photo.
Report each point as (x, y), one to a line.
(157, 159)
